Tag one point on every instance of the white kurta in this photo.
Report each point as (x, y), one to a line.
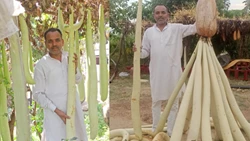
(50, 91)
(7, 25)
(165, 51)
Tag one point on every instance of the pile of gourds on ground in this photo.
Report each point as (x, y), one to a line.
(21, 75)
(208, 100)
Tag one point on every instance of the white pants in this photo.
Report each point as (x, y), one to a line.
(156, 112)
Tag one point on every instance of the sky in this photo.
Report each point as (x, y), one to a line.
(235, 4)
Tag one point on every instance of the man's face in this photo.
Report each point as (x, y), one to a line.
(54, 42)
(161, 15)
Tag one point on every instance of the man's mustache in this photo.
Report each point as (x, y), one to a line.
(55, 47)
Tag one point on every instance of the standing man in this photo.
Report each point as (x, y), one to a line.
(163, 43)
(51, 90)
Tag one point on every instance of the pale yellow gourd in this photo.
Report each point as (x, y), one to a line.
(206, 18)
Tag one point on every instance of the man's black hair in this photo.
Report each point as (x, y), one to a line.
(52, 30)
(161, 5)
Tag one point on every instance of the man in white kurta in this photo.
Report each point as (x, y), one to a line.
(50, 91)
(163, 43)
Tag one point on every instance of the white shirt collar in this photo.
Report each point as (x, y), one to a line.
(163, 28)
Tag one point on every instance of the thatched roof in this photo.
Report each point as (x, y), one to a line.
(227, 28)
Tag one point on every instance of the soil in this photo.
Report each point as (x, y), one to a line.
(120, 94)
(120, 107)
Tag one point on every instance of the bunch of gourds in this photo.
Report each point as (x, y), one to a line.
(208, 94)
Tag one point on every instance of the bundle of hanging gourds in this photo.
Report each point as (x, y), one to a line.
(208, 95)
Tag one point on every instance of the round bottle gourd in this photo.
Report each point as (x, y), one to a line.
(206, 18)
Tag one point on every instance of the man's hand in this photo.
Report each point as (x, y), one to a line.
(134, 48)
(62, 115)
(75, 59)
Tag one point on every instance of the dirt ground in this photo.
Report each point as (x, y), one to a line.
(120, 94)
